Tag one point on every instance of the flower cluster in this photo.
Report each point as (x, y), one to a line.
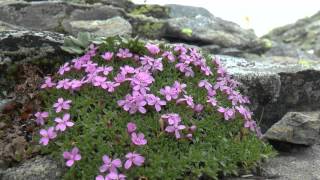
(140, 99)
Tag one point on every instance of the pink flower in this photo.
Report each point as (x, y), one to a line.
(64, 68)
(198, 108)
(169, 93)
(133, 158)
(47, 83)
(205, 84)
(180, 48)
(47, 135)
(152, 64)
(72, 156)
(153, 49)
(134, 103)
(63, 123)
(172, 118)
(65, 84)
(105, 70)
(111, 176)
(110, 165)
(90, 67)
(98, 80)
(40, 117)
(76, 84)
(107, 56)
(193, 128)
(141, 80)
(179, 87)
(110, 86)
(206, 70)
(175, 128)
(124, 53)
(229, 113)
(212, 101)
(169, 56)
(115, 176)
(250, 124)
(244, 112)
(127, 70)
(187, 99)
(131, 127)
(138, 139)
(120, 78)
(62, 104)
(155, 101)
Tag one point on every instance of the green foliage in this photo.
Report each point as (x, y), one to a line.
(80, 44)
(219, 147)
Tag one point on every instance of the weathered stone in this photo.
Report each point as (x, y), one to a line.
(297, 128)
(111, 27)
(305, 33)
(21, 47)
(178, 11)
(289, 50)
(53, 16)
(301, 163)
(277, 85)
(202, 30)
(38, 168)
(6, 27)
(35, 15)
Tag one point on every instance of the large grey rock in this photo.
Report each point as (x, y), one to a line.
(277, 85)
(305, 33)
(28, 47)
(297, 128)
(302, 163)
(178, 11)
(204, 30)
(289, 50)
(38, 168)
(53, 16)
(110, 27)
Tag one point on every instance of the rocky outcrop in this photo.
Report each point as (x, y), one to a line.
(277, 85)
(38, 168)
(106, 28)
(305, 34)
(20, 47)
(173, 23)
(296, 127)
(53, 16)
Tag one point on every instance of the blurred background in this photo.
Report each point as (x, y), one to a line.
(262, 16)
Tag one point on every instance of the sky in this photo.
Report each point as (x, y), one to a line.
(260, 15)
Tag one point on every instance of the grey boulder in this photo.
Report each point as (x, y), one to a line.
(297, 128)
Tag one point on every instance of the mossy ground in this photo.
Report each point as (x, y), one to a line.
(219, 147)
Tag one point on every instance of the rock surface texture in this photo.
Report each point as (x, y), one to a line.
(305, 34)
(38, 168)
(297, 128)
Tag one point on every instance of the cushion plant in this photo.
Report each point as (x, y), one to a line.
(130, 109)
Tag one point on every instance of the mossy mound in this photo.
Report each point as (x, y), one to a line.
(214, 148)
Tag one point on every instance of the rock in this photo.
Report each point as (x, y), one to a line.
(28, 47)
(6, 26)
(305, 33)
(303, 163)
(178, 11)
(296, 127)
(203, 30)
(110, 27)
(53, 16)
(124, 4)
(38, 168)
(289, 50)
(277, 85)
